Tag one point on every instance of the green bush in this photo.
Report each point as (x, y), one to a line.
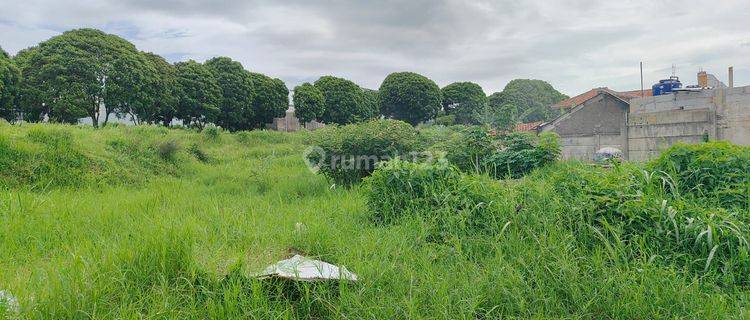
(398, 187)
(469, 149)
(212, 132)
(454, 204)
(446, 120)
(522, 153)
(346, 154)
(635, 213)
(199, 153)
(167, 150)
(716, 170)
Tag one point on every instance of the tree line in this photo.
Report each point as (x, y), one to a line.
(87, 73)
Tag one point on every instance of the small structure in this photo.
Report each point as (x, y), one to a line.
(597, 119)
(300, 268)
(290, 123)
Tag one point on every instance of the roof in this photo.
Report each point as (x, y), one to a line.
(588, 95)
(577, 107)
(530, 126)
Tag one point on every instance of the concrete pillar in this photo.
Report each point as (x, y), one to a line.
(731, 77)
(624, 135)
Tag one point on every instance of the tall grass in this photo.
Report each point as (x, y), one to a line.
(134, 235)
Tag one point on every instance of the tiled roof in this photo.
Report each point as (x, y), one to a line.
(581, 98)
(531, 126)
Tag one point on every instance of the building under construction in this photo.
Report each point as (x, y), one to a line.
(643, 123)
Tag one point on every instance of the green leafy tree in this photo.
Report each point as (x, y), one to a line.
(531, 97)
(344, 101)
(271, 99)
(32, 96)
(162, 90)
(9, 79)
(309, 103)
(465, 100)
(198, 95)
(410, 97)
(236, 104)
(371, 107)
(507, 117)
(86, 72)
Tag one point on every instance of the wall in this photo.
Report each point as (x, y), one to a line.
(599, 122)
(657, 123)
(733, 118)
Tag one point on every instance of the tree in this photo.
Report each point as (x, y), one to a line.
(371, 107)
(309, 103)
(465, 100)
(271, 99)
(344, 101)
(9, 78)
(86, 72)
(409, 97)
(531, 97)
(236, 104)
(163, 90)
(199, 94)
(31, 97)
(507, 117)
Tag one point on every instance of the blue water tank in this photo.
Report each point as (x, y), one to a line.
(666, 86)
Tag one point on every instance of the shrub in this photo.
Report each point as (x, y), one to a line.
(199, 153)
(717, 170)
(348, 153)
(212, 132)
(468, 149)
(636, 214)
(523, 153)
(447, 120)
(453, 203)
(398, 187)
(167, 150)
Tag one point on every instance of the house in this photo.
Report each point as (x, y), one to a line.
(596, 119)
(569, 103)
(641, 125)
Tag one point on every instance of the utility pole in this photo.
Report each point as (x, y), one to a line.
(642, 93)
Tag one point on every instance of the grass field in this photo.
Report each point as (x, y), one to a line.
(145, 222)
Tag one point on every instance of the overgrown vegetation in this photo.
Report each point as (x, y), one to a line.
(521, 153)
(346, 154)
(716, 171)
(101, 224)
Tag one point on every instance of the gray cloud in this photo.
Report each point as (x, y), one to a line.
(575, 45)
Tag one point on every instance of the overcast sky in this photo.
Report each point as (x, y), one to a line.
(574, 45)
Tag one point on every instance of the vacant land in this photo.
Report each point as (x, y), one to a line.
(146, 222)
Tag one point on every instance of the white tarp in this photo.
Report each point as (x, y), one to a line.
(306, 269)
(8, 302)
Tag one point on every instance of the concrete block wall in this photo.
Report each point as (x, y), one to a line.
(656, 123)
(733, 116)
(583, 147)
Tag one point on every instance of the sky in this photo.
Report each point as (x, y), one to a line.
(574, 45)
